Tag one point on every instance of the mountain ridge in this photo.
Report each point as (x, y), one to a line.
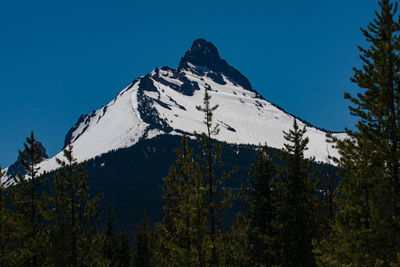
(164, 101)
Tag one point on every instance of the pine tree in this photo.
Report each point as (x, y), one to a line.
(30, 206)
(7, 226)
(73, 238)
(116, 246)
(210, 158)
(184, 226)
(260, 199)
(328, 197)
(195, 195)
(298, 203)
(109, 243)
(219, 196)
(9, 236)
(238, 249)
(123, 253)
(144, 247)
(366, 231)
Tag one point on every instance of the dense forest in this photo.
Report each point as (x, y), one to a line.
(292, 212)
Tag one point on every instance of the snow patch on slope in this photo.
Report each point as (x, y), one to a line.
(243, 118)
(119, 126)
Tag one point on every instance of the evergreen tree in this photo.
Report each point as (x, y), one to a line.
(211, 155)
(238, 250)
(123, 253)
(329, 193)
(260, 199)
(298, 205)
(219, 196)
(116, 247)
(366, 231)
(144, 246)
(7, 226)
(73, 238)
(184, 226)
(109, 243)
(194, 197)
(30, 206)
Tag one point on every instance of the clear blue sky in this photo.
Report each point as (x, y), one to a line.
(60, 59)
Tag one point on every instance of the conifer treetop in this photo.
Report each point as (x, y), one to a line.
(297, 142)
(31, 156)
(208, 110)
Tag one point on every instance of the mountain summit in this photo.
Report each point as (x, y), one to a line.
(164, 102)
(202, 53)
(205, 54)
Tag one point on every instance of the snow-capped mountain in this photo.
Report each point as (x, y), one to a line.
(164, 102)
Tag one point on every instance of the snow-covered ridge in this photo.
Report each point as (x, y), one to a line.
(164, 102)
(244, 118)
(114, 126)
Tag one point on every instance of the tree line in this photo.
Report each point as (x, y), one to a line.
(45, 223)
(294, 214)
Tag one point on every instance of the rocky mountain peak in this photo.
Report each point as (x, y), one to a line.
(202, 53)
(205, 55)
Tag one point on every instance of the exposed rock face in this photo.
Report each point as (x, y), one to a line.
(205, 54)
